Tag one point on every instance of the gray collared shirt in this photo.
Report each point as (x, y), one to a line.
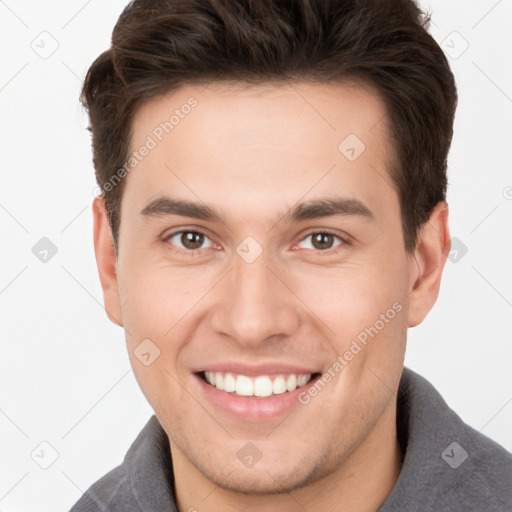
(448, 466)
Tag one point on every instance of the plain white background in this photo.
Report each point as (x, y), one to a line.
(65, 374)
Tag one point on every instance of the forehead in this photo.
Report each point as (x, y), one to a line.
(228, 144)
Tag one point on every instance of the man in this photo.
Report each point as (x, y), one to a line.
(272, 219)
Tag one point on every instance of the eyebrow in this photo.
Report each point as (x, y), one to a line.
(328, 207)
(164, 206)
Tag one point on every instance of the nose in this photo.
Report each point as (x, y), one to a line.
(254, 304)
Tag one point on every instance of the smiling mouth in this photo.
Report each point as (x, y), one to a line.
(262, 386)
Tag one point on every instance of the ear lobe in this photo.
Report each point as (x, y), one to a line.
(427, 264)
(106, 261)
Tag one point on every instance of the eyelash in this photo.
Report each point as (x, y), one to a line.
(194, 252)
(344, 242)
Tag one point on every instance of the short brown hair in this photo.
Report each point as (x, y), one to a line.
(158, 46)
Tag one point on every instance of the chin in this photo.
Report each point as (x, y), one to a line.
(266, 479)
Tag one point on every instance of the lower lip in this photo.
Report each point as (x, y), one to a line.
(254, 408)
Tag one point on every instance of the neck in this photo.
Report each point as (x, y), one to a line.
(361, 483)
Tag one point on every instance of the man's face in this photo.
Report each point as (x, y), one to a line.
(291, 260)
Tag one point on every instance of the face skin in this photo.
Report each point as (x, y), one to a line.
(253, 155)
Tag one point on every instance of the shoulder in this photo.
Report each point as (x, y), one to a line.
(111, 492)
(141, 482)
(452, 465)
(485, 474)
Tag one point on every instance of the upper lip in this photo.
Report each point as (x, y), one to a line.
(255, 370)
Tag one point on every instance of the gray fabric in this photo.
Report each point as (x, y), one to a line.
(434, 476)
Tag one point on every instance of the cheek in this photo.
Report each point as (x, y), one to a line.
(154, 298)
(360, 307)
(349, 298)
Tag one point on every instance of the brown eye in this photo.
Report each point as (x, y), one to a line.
(190, 240)
(321, 241)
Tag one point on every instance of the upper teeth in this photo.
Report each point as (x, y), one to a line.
(258, 386)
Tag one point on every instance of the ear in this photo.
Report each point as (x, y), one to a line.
(106, 261)
(427, 263)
